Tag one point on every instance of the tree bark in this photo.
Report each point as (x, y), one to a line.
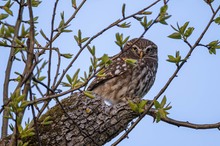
(82, 121)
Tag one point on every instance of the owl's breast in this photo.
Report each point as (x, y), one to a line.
(129, 81)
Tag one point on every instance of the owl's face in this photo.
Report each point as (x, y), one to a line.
(142, 48)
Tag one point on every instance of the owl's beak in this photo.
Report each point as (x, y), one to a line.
(140, 54)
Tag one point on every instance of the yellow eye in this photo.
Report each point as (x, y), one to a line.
(134, 48)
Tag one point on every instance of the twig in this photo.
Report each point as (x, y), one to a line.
(213, 11)
(58, 68)
(51, 43)
(185, 124)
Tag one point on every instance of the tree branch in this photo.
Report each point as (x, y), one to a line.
(187, 124)
(51, 42)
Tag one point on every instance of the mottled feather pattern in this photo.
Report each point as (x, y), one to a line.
(125, 81)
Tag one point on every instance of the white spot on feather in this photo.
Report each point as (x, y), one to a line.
(117, 72)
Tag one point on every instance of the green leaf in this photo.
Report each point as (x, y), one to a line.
(183, 28)
(105, 60)
(124, 25)
(94, 61)
(163, 20)
(35, 3)
(144, 22)
(138, 18)
(188, 32)
(41, 78)
(133, 106)
(43, 34)
(23, 31)
(66, 30)
(3, 43)
(8, 10)
(3, 16)
(11, 29)
(163, 10)
(173, 59)
(79, 38)
(74, 4)
(130, 61)
(163, 102)
(158, 117)
(9, 4)
(89, 94)
(47, 121)
(64, 84)
(212, 46)
(119, 40)
(69, 78)
(149, 23)
(174, 28)
(75, 78)
(24, 104)
(68, 55)
(175, 35)
(156, 104)
(163, 15)
(79, 35)
(168, 107)
(141, 106)
(146, 12)
(125, 40)
(217, 20)
(84, 39)
(19, 42)
(20, 98)
(142, 103)
(91, 50)
(101, 73)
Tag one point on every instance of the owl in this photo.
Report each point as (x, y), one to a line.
(124, 80)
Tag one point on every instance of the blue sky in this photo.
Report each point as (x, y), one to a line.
(194, 94)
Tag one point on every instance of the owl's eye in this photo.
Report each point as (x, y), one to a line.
(149, 49)
(134, 48)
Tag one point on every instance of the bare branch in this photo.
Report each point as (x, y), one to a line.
(51, 42)
(185, 124)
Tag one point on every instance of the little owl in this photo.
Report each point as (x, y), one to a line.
(124, 80)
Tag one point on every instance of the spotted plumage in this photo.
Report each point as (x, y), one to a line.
(124, 80)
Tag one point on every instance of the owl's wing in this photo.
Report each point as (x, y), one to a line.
(116, 68)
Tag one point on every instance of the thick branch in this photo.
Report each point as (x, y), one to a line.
(79, 120)
(89, 122)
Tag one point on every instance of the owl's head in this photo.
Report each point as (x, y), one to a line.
(142, 48)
